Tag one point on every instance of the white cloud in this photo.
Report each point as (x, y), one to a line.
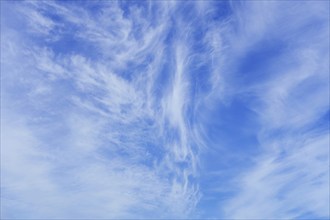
(290, 178)
(93, 141)
(286, 185)
(103, 118)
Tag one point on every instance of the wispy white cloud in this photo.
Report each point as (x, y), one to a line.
(290, 184)
(290, 178)
(95, 124)
(107, 107)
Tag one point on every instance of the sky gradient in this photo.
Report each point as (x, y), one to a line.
(165, 109)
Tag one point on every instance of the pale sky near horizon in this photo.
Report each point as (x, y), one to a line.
(165, 109)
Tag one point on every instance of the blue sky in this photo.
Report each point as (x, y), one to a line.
(165, 109)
